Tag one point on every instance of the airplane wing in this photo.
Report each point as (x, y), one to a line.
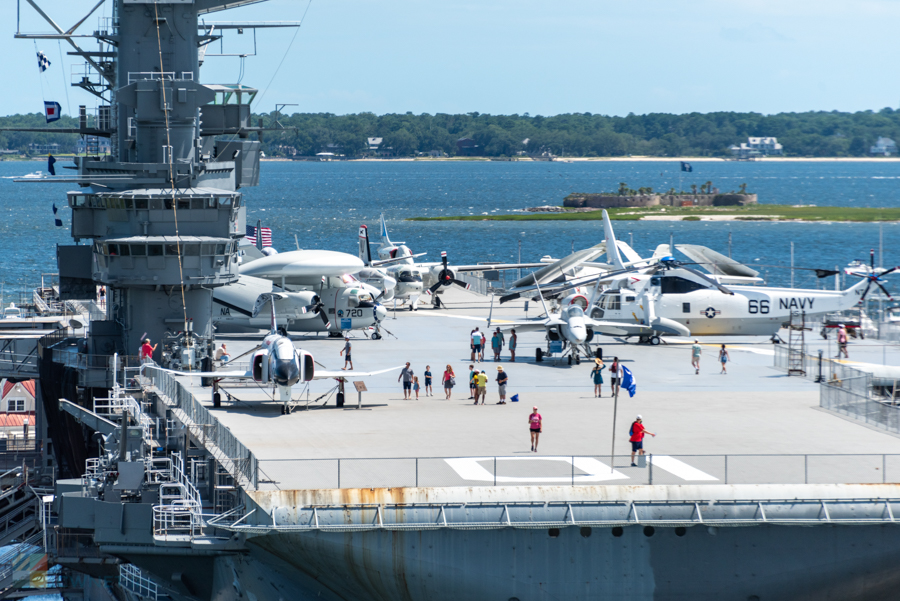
(609, 328)
(498, 266)
(549, 273)
(204, 374)
(524, 327)
(396, 260)
(350, 375)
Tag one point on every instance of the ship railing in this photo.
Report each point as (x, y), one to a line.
(206, 429)
(158, 470)
(825, 370)
(177, 520)
(677, 513)
(583, 470)
(844, 398)
(132, 579)
(13, 363)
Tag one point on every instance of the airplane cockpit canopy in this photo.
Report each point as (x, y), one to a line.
(673, 284)
(283, 349)
(574, 311)
(408, 275)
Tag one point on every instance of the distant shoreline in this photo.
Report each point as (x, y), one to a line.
(610, 160)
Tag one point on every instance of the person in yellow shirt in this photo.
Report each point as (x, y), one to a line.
(481, 380)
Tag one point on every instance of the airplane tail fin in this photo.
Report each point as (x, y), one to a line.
(261, 300)
(612, 247)
(365, 253)
(385, 239)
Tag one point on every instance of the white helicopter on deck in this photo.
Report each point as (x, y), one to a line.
(672, 298)
(277, 363)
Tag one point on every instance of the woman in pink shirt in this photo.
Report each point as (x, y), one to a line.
(534, 426)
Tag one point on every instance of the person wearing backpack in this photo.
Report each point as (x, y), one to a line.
(637, 432)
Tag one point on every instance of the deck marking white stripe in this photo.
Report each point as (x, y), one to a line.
(679, 468)
(468, 468)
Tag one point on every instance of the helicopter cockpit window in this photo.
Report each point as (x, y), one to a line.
(679, 285)
(611, 301)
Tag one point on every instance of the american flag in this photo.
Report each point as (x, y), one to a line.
(266, 235)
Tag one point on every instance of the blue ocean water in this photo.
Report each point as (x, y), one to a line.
(324, 203)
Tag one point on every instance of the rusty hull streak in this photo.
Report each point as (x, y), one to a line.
(294, 499)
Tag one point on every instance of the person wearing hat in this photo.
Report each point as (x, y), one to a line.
(146, 354)
(597, 377)
(502, 379)
(535, 426)
(637, 438)
(842, 341)
(346, 353)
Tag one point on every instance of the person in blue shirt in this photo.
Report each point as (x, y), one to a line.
(428, 391)
(597, 377)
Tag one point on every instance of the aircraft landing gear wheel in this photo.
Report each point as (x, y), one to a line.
(282, 410)
(642, 340)
(538, 355)
(376, 336)
(654, 340)
(570, 359)
(577, 359)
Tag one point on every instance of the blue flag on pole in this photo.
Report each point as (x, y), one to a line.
(43, 61)
(628, 382)
(51, 160)
(56, 219)
(686, 167)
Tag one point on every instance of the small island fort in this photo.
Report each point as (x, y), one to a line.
(625, 197)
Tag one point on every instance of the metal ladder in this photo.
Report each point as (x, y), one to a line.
(797, 344)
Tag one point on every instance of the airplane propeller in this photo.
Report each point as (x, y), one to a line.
(318, 307)
(875, 278)
(445, 277)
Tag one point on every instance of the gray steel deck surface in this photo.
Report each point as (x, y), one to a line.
(754, 409)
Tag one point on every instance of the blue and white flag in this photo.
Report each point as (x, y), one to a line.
(628, 382)
(43, 61)
(56, 219)
(52, 111)
(686, 167)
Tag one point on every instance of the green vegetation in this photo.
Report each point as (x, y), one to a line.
(740, 213)
(810, 134)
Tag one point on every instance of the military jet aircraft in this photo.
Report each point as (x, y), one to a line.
(396, 260)
(276, 362)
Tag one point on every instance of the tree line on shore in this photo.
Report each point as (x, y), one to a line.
(809, 134)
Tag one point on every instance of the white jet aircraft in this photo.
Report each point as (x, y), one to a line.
(396, 260)
(276, 362)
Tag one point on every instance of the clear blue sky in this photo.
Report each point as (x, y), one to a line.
(518, 56)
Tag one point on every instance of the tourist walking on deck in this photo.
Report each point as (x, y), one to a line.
(406, 374)
(615, 376)
(695, 356)
(502, 380)
(482, 347)
(428, 390)
(476, 344)
(473, 385)
(512, 345)
(723, 358)
(346, 353)
(496, 345)
(449, 379)
(481, 381)
(416, 386)
(597, 377)
(842, 341)
(637, 432)
(535, 426)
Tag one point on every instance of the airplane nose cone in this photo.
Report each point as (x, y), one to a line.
(286, 372)
(389, 283)
(380, 313)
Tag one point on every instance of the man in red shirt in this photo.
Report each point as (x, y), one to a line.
(147, 351)
(637, 438)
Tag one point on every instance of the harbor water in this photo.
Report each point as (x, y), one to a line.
(323, 203)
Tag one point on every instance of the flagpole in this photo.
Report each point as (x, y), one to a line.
(612, 452)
